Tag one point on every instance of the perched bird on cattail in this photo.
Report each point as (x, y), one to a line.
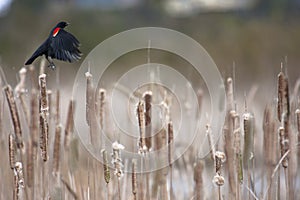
(60, 45)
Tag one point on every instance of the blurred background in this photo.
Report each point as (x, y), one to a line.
(255, 35)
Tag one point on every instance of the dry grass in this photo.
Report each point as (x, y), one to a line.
(58, 167)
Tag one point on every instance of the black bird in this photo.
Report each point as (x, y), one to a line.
(60, 45)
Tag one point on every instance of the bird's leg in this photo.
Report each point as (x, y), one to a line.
(52, 65)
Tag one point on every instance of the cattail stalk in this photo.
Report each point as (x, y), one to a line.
(198, 179)
(89, 96)
(117, 162)
(69, 124)
(283, 104)
(56, 150)
(30, 165)
(210, 141)
(102, 96)
(14, 115)
(105, 166)
(70, 190)
(170, 156)
(248, 153)
(34, 120)
(134, 180)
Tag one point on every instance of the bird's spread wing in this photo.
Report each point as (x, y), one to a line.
(65, 46)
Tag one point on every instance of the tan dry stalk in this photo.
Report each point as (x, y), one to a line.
(20, 91)
(229, 151)
(248, 153)
(218, 179)
(34, 121)
(16, 191)
(70, 190)
(50, 104)
(270, 148)
(237, 152)
(14, 115)
(105, 166)
(229, 94)
(56, 149)
(134, 180)
(284, 139)
(298, 123)
(170, 157)
(30, 165)
(210, 141)
(11, 147)
(89, 97)
(198, 179)
(57, 108)
(69, 124)
(141, 119)
(148, 125)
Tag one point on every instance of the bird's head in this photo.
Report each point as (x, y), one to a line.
(62, 24)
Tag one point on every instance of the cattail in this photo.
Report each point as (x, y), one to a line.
(116, 158)
(148, 126)
(141, 119)
(102, 96)
(14, 115)
(219, 159)
(57, 110)
(229, 94)
(69, 124)
(210, 140)
(34, 120)
(16, 192)
(298, 124)
(18, 172)
(198, 179)
(56, 149)
(44, 108)
(134, 180)
(30, 165)
(283, 149)
(283, 104)
(170, 142)
(89, 96)
(248, 126)
(20, 91)
(105, 166)
(43, 94)
(11, 147)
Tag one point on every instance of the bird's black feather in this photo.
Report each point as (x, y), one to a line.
(60, 45)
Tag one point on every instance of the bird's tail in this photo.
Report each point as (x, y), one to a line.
(31, 59)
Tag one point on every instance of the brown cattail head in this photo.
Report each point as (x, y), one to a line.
(14, 115)
(170, 142)
(11, 146)
(141, 119)
(102, 96)
(283, 104)
(198, 179)
(148, 125)
(44, 107)
(105, 166)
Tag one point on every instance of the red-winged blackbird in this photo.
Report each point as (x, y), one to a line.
(60, 45)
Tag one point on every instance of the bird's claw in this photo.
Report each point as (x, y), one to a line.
(52, 66)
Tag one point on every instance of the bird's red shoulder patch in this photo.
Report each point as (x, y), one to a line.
(56, 30)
